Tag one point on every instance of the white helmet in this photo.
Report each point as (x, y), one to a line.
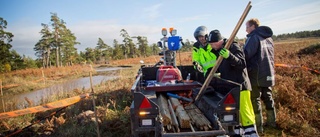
(200, 31)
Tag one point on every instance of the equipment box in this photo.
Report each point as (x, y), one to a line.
(168, 73)
(174, 43)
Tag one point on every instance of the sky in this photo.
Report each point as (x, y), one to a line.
(90, 20)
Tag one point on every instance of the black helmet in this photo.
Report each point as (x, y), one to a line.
(200, 31)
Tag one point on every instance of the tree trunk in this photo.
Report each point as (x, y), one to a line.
(57, 57)
(48, 57)
(43, 60)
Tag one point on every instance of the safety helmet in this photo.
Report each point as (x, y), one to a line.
(200, 31)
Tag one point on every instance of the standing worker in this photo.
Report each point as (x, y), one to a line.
(233, 68)
(259, 54)
(201, 35)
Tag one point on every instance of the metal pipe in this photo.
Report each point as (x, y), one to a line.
(173, 116)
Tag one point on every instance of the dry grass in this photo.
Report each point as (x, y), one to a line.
(27, 80)
(297, 93)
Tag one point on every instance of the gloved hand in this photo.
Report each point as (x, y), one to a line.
(224, 53)
(198, 66)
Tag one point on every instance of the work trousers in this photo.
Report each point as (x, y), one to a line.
(247, 116)
(264, 94)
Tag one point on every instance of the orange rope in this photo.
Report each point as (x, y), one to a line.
(296, 66)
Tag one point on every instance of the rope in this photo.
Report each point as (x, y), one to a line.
(35, 122)
(297, 66)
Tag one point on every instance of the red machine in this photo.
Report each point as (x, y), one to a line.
(168, 73)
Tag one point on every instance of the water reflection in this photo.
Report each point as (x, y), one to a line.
(107, 69)
(37, 96)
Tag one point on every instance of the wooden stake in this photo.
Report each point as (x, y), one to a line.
(94, 105)
(3, 106)
(164, 110)
(197, 117)
(1, 87)
(182, 115)
(228, 44)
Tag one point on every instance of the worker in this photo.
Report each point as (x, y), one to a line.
(200, 34)
(233, 67)
(259, 55)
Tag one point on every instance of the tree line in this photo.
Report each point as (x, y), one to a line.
(56, 47)
(298, 34)
(10, 59)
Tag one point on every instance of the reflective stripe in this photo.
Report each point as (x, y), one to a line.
(207, 64)
(249, 129)
(237, 131)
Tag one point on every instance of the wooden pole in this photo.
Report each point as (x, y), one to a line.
(1, 87)
(228, 44)
(94, 105)
(3, 106)
(43, 78)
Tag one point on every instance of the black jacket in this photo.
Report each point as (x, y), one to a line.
(234, 67)
(259, 53)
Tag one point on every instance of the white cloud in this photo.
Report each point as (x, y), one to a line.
(298, 18)
(87, 33)
(195, 18)
(152, 12)
(262, 3)
(25, 38)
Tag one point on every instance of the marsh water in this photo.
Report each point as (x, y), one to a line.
(38, 96)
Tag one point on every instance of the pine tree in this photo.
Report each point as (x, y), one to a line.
(5, 46)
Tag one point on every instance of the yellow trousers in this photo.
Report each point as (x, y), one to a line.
(247, 116)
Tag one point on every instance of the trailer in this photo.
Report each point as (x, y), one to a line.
(164, 102)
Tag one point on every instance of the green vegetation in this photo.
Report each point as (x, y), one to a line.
(299, 34)
(10, 59)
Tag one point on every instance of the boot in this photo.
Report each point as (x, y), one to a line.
(250, 131)
(271, 118)
(259, 121)
(237, 131)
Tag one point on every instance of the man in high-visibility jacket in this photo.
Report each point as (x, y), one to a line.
(200, 34)
(232, 67)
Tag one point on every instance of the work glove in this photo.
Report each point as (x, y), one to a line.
(224, 53)
(198, 67)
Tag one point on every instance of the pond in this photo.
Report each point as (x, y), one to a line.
(38, 96)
